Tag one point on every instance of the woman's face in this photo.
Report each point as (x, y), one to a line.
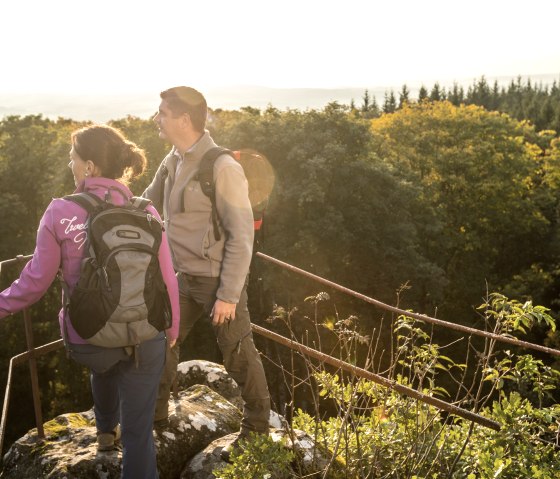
(78, 167)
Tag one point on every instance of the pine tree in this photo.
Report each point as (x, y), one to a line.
(436, 94)
(374, 110)
(403, 96)
(390, 103)
(495, 96)
(365, 102)
(457, 95)
(480, 94)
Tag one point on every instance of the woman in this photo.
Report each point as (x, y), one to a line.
(102, 162)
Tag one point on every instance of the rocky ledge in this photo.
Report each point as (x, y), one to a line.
(203, 417)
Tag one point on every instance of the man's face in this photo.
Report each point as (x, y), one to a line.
(170, 126)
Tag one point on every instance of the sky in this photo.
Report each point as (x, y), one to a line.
(131, 46)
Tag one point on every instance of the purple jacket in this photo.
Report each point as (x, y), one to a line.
(60, 244)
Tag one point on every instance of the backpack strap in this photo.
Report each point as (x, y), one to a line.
(87, 201)
(206, 170)
(140, 203)
(205, 176)
(162, 180)
(90, 202)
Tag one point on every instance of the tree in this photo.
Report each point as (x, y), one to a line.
(336, 209)
(437, 94)
(390, 103)
(369, 109)
(404, 95)
(478, 173)
(365, 102)
(33, 169)
(480, 93)
(457, 95)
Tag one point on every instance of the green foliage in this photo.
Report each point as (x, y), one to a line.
(512, 316)
(378, 433)
(337, 209)
(33, 154)
(258, 457)
(537, 103)
(520, 448)
(483, 185)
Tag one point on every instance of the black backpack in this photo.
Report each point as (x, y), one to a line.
(120, 299)
(259, 174)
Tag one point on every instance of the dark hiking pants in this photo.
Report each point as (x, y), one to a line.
(241, 358)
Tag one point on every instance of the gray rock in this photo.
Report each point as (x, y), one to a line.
(202, 420)
(69, 450)
(203, 463)
(199, 417)
(212, 375)
(216, 378)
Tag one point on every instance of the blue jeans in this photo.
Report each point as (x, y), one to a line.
(124, 390)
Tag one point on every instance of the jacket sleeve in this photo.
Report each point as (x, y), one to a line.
(38, 274)
(236, 218)
(170, 280)
(155, 189)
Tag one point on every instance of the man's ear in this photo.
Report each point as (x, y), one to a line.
(186, 121)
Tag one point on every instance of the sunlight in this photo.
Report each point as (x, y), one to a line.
(128, 47)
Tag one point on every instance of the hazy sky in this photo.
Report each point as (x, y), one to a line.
(114, 46)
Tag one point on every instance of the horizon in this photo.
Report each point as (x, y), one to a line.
(126, 47)
(103, 107)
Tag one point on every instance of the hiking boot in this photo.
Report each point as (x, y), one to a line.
(161, 423)
(106, 440)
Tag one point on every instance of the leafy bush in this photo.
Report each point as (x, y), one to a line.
(379, 433)
(258, 457)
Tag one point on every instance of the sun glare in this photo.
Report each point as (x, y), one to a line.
(126, 46)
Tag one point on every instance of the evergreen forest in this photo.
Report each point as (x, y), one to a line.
(437, 204)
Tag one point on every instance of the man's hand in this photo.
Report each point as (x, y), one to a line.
(222, 312)
(172, 343)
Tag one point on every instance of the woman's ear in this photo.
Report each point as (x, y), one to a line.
(91, 169)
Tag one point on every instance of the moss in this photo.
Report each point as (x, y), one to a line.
(59, 427)
(76, 420)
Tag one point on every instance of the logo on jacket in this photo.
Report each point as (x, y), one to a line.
(71, 227)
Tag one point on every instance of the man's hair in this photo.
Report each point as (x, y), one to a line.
(183, 99)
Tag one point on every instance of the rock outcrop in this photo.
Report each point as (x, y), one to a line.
(202, 420)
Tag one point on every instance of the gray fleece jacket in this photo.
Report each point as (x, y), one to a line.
(187, 214)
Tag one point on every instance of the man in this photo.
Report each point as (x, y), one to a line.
(212, 274)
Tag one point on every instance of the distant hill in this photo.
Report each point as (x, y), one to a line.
(107, 107)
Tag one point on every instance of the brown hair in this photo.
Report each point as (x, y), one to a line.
(184, 99)
(108, 149)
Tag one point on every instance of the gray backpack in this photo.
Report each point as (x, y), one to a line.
(120, 299)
